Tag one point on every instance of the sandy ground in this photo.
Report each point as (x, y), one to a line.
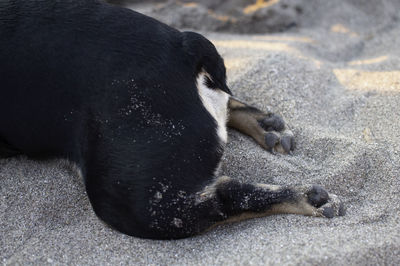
(336, 80)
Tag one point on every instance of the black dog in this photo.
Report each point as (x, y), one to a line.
(141, 109)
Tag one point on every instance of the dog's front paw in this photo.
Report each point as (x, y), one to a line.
(326, 204)
(277, 136)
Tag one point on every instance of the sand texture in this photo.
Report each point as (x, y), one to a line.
(335, 78)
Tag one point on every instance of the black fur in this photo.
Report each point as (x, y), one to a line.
(115, 92)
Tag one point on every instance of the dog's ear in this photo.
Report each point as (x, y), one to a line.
(204, 57)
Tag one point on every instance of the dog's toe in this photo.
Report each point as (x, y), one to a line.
(272, 123)
(317, 196)
(328, 212)
(271, 139)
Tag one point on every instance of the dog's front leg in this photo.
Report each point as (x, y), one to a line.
(267, 129)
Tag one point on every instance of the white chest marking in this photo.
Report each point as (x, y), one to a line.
(216, 103)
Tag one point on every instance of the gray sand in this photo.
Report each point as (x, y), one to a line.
(336, 80)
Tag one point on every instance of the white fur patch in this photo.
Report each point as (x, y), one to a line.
(216, 103)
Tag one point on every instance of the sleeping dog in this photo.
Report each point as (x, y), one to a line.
(142, 110)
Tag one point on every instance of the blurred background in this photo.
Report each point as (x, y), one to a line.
(264, 16)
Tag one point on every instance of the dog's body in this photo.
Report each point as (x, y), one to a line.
(141, 109)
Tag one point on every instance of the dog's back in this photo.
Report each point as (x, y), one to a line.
(73, 57)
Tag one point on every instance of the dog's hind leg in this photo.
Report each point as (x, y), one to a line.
(267, 129)
(172, 212)
(239, 201)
